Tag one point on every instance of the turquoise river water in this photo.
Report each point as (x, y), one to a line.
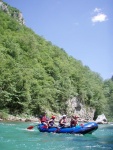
(15, 136)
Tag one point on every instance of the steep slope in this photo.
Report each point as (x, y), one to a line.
(36, 75)
(13, 12)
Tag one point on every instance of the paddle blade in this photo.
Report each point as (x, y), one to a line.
(30, 127)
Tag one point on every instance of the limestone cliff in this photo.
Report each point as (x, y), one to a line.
(13, 12)
(76, 108)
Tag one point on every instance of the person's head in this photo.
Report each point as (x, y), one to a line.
(45, 113)
(64, 116)
(53, 117)
(76, 117)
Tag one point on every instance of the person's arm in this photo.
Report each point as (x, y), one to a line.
(49, 120)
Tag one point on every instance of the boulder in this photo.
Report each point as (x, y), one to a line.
(101, 119)
(1, 119)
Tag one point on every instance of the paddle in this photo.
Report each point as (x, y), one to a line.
(31, 127)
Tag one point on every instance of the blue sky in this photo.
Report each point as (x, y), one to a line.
(83, 28)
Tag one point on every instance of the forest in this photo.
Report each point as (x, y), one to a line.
(36, 75)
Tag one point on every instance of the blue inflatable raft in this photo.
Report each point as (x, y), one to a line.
(79, 129)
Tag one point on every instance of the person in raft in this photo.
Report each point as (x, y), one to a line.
(74, 121)
(44, 120)
(51, 121)
(63, 121)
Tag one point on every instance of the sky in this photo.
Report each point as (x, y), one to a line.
(83, 28)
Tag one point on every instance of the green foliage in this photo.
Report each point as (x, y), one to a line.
(36, 75)
(3, 114)
(108, 91)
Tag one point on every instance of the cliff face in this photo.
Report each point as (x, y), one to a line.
(79, 109)
(13, 12)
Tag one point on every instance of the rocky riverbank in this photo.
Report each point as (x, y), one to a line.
(35, 119)
(19, 118)
(101, 119)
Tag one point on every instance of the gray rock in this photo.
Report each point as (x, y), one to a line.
(101, 119)
(17, 15)
(75, 107)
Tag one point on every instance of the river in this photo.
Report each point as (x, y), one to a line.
(15, 136)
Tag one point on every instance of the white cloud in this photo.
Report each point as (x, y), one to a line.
(99, 18)
(97, 10)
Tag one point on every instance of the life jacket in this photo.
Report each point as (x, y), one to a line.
(51, 122)
(73, 122)
(62, 122)
(43, 119)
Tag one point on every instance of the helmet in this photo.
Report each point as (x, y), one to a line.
(53, 117)
(64, 116)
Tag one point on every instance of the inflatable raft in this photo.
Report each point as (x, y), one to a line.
(79, 129)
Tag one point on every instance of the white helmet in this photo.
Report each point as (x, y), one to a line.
(64, 116)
